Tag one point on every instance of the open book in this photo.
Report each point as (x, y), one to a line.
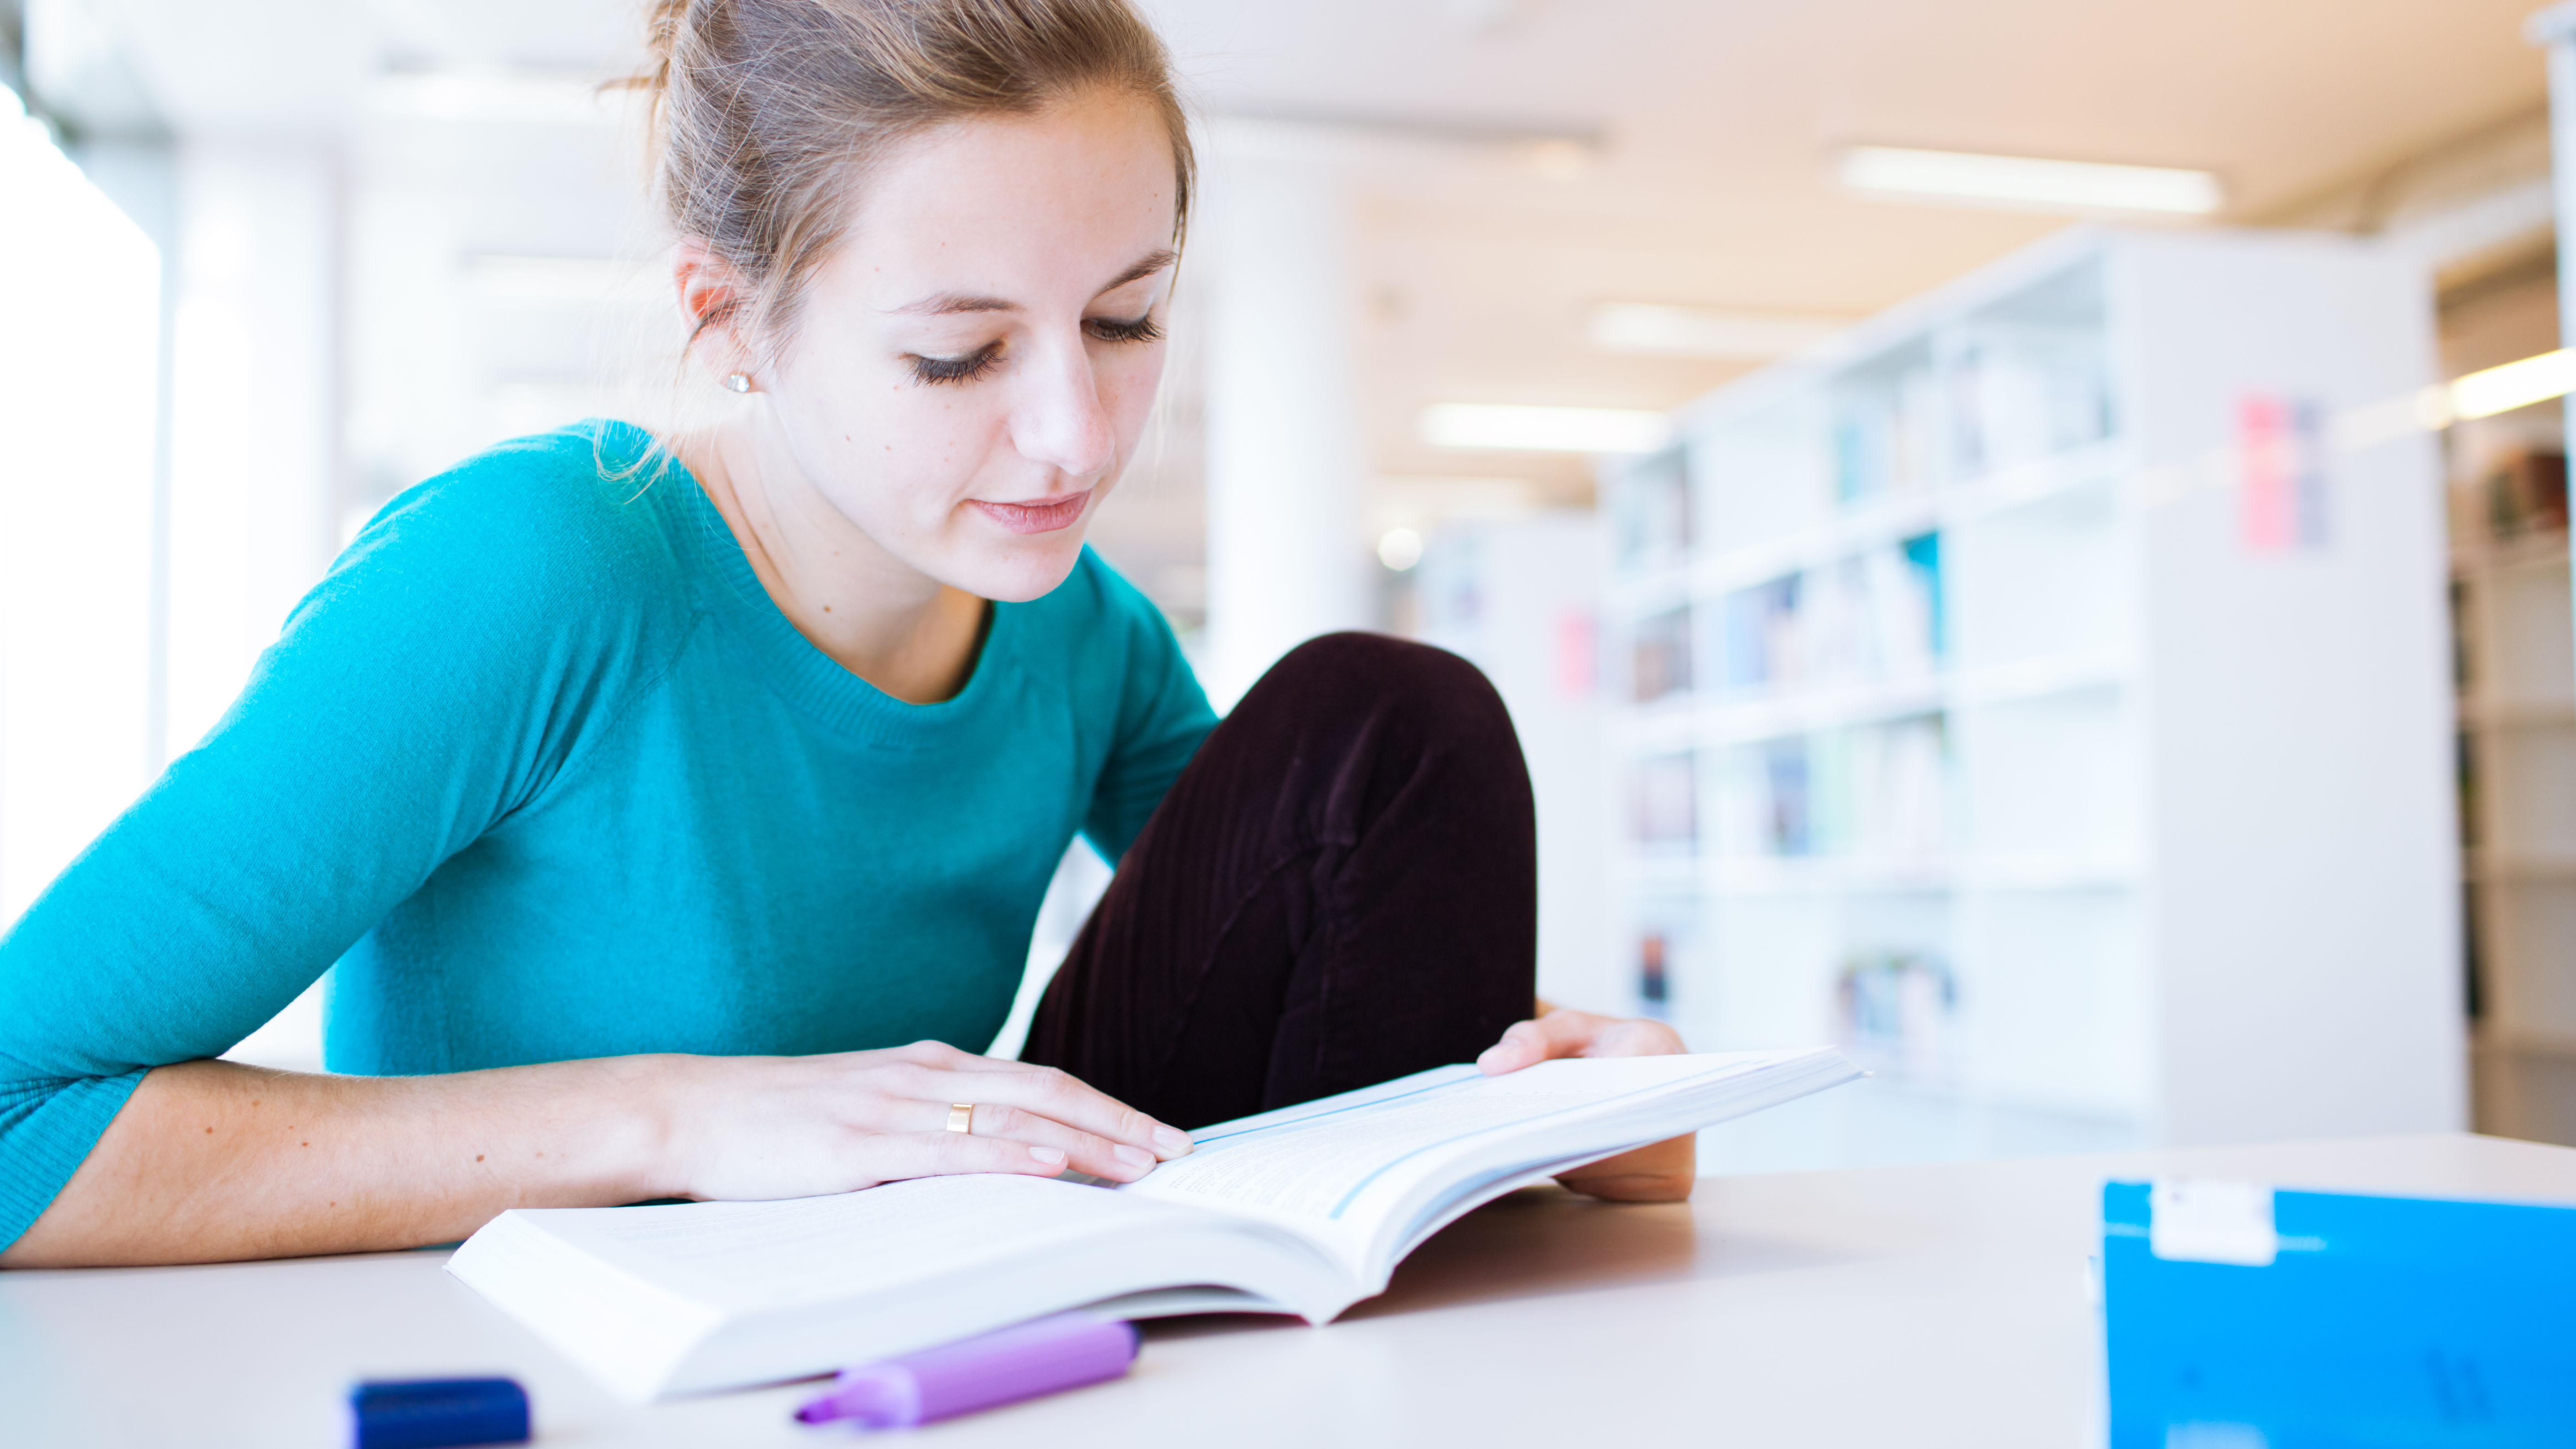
(1303, 1211)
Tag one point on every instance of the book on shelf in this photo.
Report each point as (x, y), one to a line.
(1876, 791)
(1886, 434)
(1894, 1009)
(2019, 394)
(1303, 1211)
(2517, 495)
(1662, 655)
(1876, 615)
(1651, 516)
(1666, 797)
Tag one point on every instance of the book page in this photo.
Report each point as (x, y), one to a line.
(801, 1250)
(1317, 1164)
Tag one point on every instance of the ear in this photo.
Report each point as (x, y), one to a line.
(713, 296)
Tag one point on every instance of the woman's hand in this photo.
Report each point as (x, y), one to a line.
(1662, 1172)
(773, 1127)
(212, 1161)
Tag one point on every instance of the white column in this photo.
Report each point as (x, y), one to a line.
(254, 455)
(78, 396)
(254, 458)
(1286, 547)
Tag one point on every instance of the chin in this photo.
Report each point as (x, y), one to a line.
(1015, 574)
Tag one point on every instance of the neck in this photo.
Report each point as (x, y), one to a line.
(876, 616)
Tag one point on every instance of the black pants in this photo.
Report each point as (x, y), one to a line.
(1341, 888)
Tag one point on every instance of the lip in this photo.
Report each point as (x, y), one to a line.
(1039, 515)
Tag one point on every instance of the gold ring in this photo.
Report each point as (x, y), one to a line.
(961, 1117)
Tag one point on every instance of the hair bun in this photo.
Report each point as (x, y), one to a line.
(663, 22)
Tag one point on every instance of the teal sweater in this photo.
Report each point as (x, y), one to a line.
(544, 771)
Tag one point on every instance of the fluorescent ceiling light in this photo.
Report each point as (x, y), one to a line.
(2029, 181)
(1705, 332)
(1545, 429)
(2514, 385)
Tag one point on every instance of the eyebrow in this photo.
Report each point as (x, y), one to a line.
(943, 304)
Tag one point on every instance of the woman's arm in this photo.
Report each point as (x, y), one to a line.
(212, 1161)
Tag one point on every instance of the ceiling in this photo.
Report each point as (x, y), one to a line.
(1719, 120)
(1710, 126)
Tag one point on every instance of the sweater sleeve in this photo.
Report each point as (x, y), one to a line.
(432, 682)
(1162, 717)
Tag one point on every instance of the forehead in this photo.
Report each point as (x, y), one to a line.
(1011, 204)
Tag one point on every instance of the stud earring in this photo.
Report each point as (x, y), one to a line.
(737, 382)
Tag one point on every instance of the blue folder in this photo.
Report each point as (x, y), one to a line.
(2240, 1317)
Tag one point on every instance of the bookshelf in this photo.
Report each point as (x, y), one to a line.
(2041, 691)
(2515, 660)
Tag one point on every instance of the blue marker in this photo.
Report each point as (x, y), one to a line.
(436, 1413)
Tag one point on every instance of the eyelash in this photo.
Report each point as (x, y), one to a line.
(935, 370)
(956, 369)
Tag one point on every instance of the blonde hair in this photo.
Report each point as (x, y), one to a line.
(766, 113)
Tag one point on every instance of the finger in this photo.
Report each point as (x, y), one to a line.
(1099, 1156)
(1560, 1033)
(1057, 1094)
(934, 1054)
(1633, 1037)
(1658, 1172)
(901, 1155)
(1524, 1044)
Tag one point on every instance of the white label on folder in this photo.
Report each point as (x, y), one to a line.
(2198, 1221)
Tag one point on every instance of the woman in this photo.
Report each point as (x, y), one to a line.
(648, 793)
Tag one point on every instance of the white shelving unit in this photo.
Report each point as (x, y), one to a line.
(2042, 691)
(2517, 677)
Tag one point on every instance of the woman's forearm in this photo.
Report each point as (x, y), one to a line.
(210, 1161)
(213, 1161)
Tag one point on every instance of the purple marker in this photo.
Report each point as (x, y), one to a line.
(1043, 1356)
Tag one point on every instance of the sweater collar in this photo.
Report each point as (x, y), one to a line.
(810, 680)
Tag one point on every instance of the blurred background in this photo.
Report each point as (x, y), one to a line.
(2027, 540)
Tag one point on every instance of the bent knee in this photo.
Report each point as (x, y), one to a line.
(1374, 672)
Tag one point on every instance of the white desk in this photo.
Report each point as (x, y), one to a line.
(1919, 1306)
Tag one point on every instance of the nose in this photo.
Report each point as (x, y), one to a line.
(1062, 420)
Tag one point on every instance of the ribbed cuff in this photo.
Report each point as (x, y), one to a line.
(46, 1131)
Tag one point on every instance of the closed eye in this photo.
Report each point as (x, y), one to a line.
(956, 369)
(1110, 329)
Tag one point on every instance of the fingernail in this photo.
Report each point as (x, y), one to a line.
(1052, 1156)
(1171, 1141)
(1132, 1156)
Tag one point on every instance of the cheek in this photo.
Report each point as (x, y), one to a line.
(1127, 388)
(895, 455)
